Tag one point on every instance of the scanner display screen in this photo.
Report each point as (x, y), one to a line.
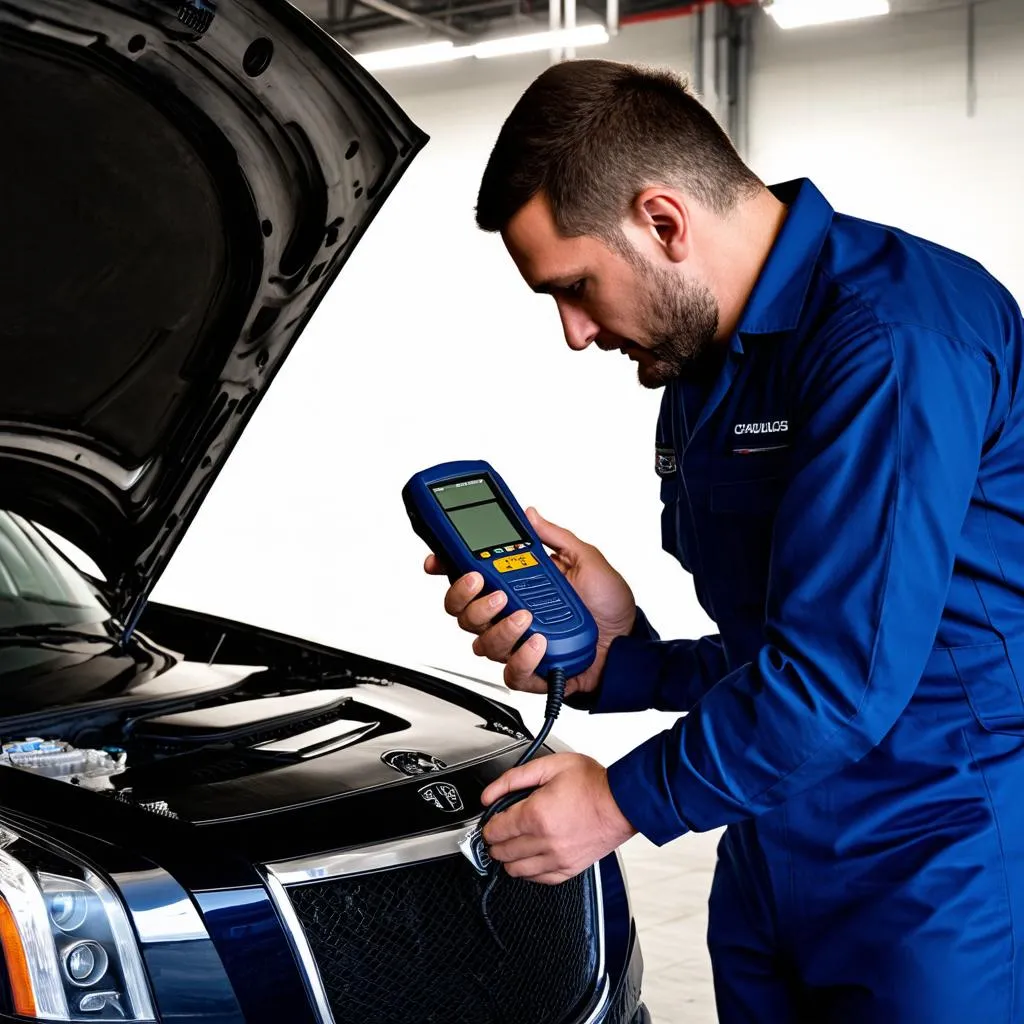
(478, 516)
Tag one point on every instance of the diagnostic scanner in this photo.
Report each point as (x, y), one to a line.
(468, 517)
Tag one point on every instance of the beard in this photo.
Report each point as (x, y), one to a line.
(680, 324)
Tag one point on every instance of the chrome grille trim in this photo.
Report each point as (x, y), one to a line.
(382, 856)
(602, 1002)
(297, 937)
(360, 859)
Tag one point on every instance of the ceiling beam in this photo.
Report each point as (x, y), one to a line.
(337, 11)
(448, 9)
(413, 18)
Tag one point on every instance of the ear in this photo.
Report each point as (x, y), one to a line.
(663, 216)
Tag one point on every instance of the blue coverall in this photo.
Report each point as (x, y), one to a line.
(847, 490)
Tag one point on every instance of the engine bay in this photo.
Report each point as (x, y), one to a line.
(57, 759)
(364, 729)
(255, 727)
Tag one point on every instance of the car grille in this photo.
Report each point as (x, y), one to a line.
(410, 945)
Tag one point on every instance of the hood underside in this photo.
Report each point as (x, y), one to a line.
(182, 185)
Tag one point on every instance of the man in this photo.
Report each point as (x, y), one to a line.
(841, 453)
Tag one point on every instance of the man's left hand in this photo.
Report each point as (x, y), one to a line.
(569, 823)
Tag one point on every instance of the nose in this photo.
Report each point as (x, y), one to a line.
(579, 329)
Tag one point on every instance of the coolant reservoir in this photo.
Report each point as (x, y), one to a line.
(90, 769)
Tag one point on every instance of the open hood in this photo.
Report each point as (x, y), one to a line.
(182, 183)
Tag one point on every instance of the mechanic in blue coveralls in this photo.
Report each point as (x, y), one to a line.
(841, 454)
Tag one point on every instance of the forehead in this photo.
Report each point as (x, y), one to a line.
(539, 251)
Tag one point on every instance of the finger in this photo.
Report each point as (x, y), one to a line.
(461, 592)
(479, 614)
(524, 776)
(434, 566)
(521, 669)
(497, 642)
(556, 537)
(534, 684)
(505, 826)
(534, 868)
(519, 848)
(552, 878)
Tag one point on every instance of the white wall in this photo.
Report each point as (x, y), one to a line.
(876, 113)
(431, 348)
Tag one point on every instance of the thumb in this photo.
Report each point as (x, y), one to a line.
(556, 537)
(526, 776)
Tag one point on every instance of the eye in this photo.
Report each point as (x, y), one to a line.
(576, 289)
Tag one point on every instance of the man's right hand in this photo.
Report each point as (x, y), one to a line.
(599, 586)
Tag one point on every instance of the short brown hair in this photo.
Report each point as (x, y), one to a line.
(592, 134)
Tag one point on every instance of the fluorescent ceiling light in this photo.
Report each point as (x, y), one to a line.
(410, 56)
(444, 50)
(801, 13)
(584, 35)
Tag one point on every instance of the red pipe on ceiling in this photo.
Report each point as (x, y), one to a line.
(679, 11)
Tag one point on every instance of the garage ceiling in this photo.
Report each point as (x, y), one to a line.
(359, 23)
(356, 22)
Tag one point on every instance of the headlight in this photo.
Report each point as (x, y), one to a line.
(69, 949)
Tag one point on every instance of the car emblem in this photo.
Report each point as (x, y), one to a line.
(474, 849)
(412, 762)
(443, 795)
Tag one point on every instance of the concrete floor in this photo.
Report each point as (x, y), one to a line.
(669, 887)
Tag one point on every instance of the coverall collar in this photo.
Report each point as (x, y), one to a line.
(778, 297)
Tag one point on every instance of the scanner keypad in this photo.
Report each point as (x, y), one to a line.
(543, 599)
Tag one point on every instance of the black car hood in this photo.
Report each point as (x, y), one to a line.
(181, 185)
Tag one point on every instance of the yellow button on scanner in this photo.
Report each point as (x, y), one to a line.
(485, 554)
(512, 562)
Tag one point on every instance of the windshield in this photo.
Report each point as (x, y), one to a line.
(38, 586)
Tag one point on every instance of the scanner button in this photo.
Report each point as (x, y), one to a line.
(531, 583)
(555, 616)
(551, 600)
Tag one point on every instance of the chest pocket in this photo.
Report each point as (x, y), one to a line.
(749, 485)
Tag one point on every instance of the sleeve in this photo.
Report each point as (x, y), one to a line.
(645, 673)
(886, 460)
